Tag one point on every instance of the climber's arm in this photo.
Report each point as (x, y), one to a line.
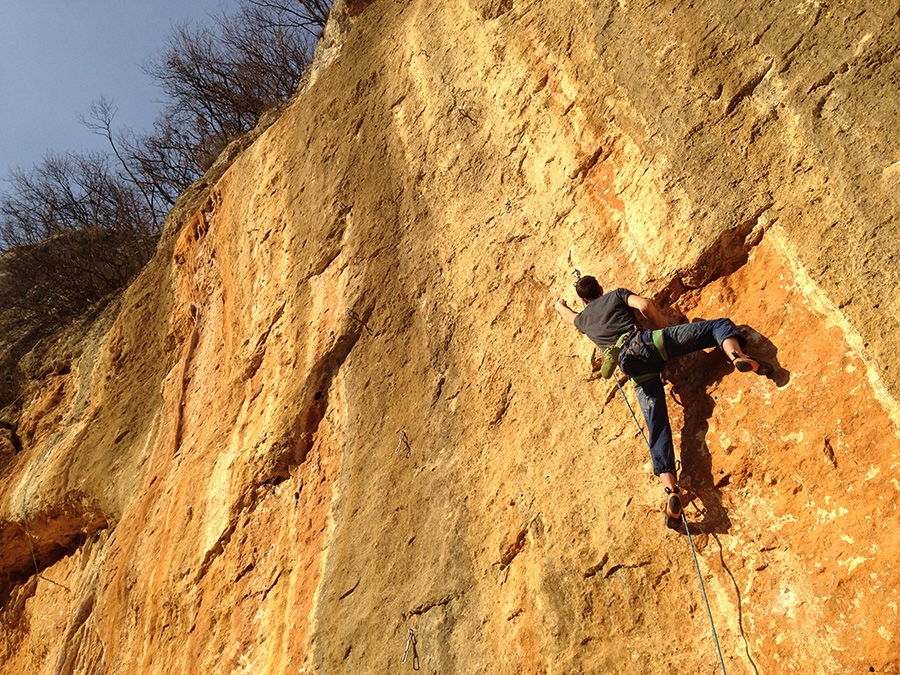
(567, 313)
(646, 307)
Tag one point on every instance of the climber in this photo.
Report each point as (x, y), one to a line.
(610, 319)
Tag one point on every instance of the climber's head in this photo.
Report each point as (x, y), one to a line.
(588, 289)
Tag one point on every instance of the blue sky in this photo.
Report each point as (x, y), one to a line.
(57, 56)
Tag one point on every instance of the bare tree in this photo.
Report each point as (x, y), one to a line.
(74, 229)
(308, 15)
(66, 193)
(219, 82)
(156, 198)
(71, 233)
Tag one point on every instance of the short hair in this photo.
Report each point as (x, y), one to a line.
(588, 288)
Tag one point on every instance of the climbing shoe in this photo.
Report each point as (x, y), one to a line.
(674, 512)
(748, 365)
(673, 504)
(673, 507)
(744, 365)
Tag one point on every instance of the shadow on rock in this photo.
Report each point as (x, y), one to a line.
(692, 376)
(764, 350)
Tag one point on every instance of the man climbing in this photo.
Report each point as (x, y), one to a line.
(609, 319)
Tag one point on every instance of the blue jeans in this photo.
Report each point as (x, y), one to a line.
(640, 357)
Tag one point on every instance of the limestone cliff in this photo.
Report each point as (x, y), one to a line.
(338, 405)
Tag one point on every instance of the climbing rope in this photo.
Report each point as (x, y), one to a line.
(690, 541)
(703, 589)
(631, 410)
(37, 571)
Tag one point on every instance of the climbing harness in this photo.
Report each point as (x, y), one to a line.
(690, 541)
(657, 339)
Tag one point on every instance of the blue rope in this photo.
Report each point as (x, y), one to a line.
(631, 410)
(687, 531)
(703, 588)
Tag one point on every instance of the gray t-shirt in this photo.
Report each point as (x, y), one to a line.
(604, 319)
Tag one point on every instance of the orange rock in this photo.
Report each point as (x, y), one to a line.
(338, 402)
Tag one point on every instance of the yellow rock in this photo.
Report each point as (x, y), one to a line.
(338, 404)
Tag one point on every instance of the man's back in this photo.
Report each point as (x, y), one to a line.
(604, 319)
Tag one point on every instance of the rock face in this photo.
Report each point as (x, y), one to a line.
(338, 407)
